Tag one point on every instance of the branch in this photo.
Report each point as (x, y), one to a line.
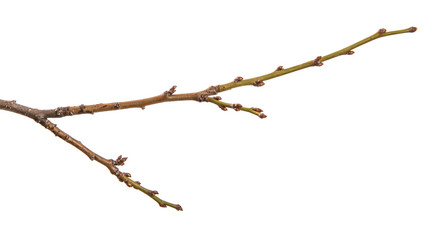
(42, 116)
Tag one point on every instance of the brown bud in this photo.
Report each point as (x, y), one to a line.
(258, 83)
(128, 184)
(223, 108)
(120, 161)
(412, 29)
(179, 208)
(218, 98)
(317, 61)
(117, 106)
(279, 68)
(262, 115)
(162, 205)
(238, 79)
(257, 109)
(237, 106)
(127, 174)
(382, 31)
(154, 192)
(350, 52)
(138, 183)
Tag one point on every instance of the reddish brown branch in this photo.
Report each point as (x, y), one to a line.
(42, 116)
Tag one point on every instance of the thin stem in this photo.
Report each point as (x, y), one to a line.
(316, 62)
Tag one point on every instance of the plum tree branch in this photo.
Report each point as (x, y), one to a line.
(42, 116)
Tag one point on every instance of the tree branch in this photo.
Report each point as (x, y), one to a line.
(42, 116)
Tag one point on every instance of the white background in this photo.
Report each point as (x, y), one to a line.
(349, 150)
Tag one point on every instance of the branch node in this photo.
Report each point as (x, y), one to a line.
(203, 98)
(128, 183)
(162, 205)
(317, 61)
(238, 79)
(382, 31)
(117, 106)
(120, 161)
(258, 83)
(237, 106)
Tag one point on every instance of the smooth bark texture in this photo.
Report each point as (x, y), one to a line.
(42, 116)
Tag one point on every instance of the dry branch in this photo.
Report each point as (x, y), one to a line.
(42, 116)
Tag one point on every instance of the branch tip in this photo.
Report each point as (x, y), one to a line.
(412, 29)
(262, 115)
(179, 208)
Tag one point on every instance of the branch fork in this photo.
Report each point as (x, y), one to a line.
(42, 116)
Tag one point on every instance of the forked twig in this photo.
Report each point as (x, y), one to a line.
(42, 116)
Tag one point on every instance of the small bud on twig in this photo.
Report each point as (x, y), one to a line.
(236, 106)
(171, 91)
(257, 109)
(162, 205)
(279, 68)
(120, 161)
(382, 31)
(223, 108)
(258, 83)
(413, 29)
(262, 115)
(350, 52)
(238, 79)
(218, 98)
(317, 61)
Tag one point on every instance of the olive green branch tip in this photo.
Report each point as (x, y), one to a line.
(318, 61)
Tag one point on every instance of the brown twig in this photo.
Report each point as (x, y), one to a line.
(42, 116)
